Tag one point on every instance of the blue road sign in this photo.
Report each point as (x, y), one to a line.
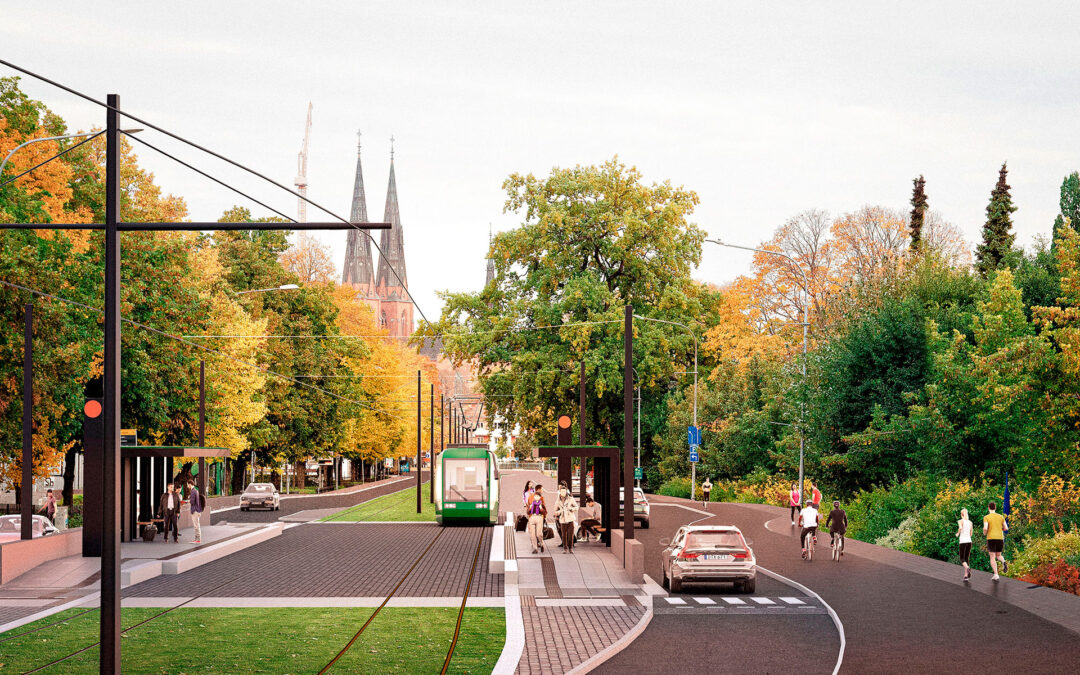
(693, 435)
(693, 453)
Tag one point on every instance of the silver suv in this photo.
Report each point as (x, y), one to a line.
(709, 554)
(641, 507)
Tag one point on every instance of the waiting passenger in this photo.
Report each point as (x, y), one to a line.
(537, 511)
(566, 508)
(589, 516)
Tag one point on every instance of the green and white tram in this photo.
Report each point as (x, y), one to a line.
(467, 486)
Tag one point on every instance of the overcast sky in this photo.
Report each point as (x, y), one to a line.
(764, 112)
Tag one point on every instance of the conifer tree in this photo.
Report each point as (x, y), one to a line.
(918, 212)
(1070, 207)
(997, 231)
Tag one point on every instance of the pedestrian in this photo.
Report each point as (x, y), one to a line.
(169, 509)
(566, 508)
(995, 527)
(963, 532)
(706, 488)
(590, 518)
(793, 502)
(537, 512)
(527, 494)
(49, 508)
(815, 496)
(198, 503)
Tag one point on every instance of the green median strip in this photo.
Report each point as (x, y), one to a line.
(397, 507)
(269, 640)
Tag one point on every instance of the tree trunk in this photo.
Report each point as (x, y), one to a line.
(239, 469)
(275, 478)
(301, 474)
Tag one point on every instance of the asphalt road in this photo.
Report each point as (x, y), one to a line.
(328, 500)
(894, 620)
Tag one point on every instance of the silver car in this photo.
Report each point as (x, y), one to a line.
(260, 496)
(11, 527)
(709, 554)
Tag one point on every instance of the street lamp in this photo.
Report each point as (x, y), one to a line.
(86, 134)
(805, 329)
(283, 287)
(693, 465)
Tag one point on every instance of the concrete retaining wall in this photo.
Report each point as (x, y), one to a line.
(17, 557)
(631, 554)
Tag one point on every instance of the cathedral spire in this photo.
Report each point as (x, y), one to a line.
(392, 281)
(359, 268)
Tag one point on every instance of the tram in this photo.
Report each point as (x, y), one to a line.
(467, 482)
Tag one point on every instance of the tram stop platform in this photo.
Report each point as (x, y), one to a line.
(74, 579)
(575, 610)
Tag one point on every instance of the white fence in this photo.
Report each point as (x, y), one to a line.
(510, 464)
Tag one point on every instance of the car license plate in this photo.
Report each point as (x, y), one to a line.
(718, 557)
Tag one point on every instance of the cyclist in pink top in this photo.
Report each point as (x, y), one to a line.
(793, 501)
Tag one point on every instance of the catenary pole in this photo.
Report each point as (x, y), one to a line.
(419, 455)
(431, 446)
(628, 424)
(26, 487)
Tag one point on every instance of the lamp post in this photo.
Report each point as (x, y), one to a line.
(283, 287)
(693, 335)
(805, 332)
(89, 135)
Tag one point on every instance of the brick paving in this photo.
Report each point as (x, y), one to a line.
(342, 560)
(557, 639)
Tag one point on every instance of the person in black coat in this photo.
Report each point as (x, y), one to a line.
(169, 509)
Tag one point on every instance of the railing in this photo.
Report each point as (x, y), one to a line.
(511, 464)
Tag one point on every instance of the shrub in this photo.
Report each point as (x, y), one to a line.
(874, 514)
(1060, 575)
(1044, 551)
(898, 537)
(75, 514)
(675, 487)
(1054, 506)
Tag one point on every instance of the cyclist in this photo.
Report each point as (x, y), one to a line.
(836, 521)
(808, 520)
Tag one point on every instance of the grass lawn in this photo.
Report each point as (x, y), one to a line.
(396, 506)
(270, 640)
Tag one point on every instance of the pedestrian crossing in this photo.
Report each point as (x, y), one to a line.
(732, 604)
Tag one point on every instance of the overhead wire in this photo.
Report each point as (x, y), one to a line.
(199, 347)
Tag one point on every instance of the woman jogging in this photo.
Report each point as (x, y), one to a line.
(963, 531)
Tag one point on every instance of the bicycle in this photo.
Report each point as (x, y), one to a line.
(809, 546)
(837, 546)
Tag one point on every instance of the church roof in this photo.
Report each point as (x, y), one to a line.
(359, 267)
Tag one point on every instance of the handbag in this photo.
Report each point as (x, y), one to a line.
(548, 533)
(522, 523)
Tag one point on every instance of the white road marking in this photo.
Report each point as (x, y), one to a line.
(762, 601)
(793, 601)
(832, 613)
(705, 601)
(734, 601)
(675, 601)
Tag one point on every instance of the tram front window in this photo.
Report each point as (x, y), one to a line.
(466, 480)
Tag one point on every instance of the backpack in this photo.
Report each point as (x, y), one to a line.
(202, 501)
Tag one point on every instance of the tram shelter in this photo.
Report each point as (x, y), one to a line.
(605, 477)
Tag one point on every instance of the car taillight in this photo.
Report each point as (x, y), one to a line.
(741, 555)
(683, 555)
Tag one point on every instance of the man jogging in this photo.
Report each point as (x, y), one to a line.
(836, 521)
(995, 527)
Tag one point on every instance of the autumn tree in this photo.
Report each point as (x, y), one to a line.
(918, 212)
(310, 260)
(997, 234)
(869, 241)
(1069, 203)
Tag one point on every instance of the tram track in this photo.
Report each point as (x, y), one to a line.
(398, 585)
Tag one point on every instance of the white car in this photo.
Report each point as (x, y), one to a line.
(260, 496)
(641, 507)
(709, 554)
(11, 527)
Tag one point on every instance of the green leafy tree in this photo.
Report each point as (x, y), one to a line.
(997, 234)
(594, 238)
(918, 212)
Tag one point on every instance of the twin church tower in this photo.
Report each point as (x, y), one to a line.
(385, 290)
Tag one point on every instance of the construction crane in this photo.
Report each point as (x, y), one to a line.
(301, 170)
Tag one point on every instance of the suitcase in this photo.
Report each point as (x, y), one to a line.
(521, 524)
(149, 533)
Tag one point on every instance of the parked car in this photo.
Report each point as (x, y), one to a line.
(641, 507)
(11, 527)
(709, 554)
(575, 485)
(260, 495)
